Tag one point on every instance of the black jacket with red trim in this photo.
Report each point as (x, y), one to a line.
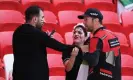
(104, 56)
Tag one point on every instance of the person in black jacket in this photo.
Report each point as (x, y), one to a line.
(29, 47)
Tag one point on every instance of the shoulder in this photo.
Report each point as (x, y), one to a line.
(105, 35)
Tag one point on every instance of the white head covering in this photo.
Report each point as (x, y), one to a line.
(78, 25)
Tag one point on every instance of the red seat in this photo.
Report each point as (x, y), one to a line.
(122, 39)
(73, 5)
(56, 68)
(106, 5)
(59, 38)
(52, 58)
(10, 22)
(126, 71)
(111, 21)
(12, 5)
(57, 78)
(127, 22)
(68, 19)
(131, 39)
(1, 78)
(69, 38)
(127, 77)
(127, 67)
(127, 19)
(125, 60)
(44, 4)
(50, 17)
(51, 21)
(6, 43)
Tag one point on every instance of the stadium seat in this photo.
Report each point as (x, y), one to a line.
(122, 38)
(127, 22)
(6, 43)
(44, 4)
(56, 65)
(8, 61)
(1, 78)
(131, 39)
(126, 71)
(50, 17)
(111, 21)
(57, 78)
(73, 5)
(59, 38)
(68, 19)
(127, 67)
(106, 5)
(127, 77)
(51, 21)
(55, 57)
(11, 5)
(125, 60)
(69, 38)
(10, 22)
(127, 19)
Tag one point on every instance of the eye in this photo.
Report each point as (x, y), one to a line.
(79, 32)
(74, 32)
(85, 19)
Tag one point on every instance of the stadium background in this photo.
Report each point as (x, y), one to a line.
(61, 15)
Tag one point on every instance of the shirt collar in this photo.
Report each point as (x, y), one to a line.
(98, 30)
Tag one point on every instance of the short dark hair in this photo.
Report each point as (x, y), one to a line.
(32, 11)
(83, 28)
(100, 21)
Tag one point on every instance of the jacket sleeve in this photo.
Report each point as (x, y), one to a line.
(95, 48)
(52, 43)
(117, 69)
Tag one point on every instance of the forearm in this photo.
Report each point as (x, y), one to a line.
(92, 58)
(70, 63)
(52, 43)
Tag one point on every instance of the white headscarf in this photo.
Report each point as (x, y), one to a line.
(84, 69)
(78, 25)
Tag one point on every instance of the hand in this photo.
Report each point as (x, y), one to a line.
(85, 48)
(75, 52)
(48, 33)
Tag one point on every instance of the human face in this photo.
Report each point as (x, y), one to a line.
(88, 22)
(78, 36)
(40, 20)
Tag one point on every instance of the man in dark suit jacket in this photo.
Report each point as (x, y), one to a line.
(29, 47)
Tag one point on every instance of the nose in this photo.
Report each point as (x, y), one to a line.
(76, 34)
(84, 22)
(44, 21)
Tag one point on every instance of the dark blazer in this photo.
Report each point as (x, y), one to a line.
(30, 56)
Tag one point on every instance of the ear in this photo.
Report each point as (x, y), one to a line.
(97, 20)
(34, 19)
(88, 35)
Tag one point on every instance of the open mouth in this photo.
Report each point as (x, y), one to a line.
(76, 37)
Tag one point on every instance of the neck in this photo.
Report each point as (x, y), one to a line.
(31, 23)
(97, 27)
(79, 44)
